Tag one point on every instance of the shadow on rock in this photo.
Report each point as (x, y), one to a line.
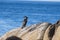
(13, 38)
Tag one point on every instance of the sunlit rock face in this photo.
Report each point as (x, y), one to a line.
(40, 31)
(33, 32)
(52, 32)
(36, 33)
(57, 34)
(46, 34)
(10, 33)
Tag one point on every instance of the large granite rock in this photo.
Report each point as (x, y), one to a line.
(52, 32)
(34, 32)
(57, 34)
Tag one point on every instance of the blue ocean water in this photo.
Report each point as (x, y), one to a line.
(11, 14)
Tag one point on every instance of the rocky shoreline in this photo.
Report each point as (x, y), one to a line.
(40, 31)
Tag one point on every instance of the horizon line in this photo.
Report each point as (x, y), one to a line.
(29, 1)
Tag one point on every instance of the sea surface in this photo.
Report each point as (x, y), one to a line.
(12, 13)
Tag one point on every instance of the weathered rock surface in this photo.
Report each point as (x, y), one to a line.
(52, 31)
(34, 32)
(57, 34)
(40, 31)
